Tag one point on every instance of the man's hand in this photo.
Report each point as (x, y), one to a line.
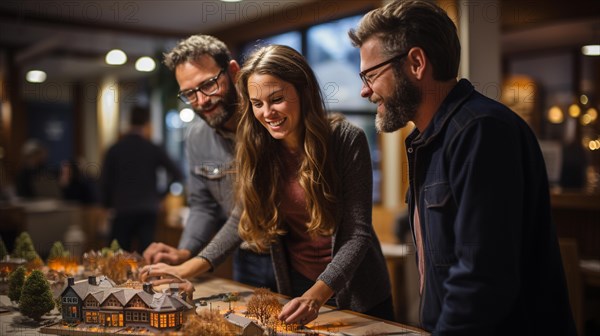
(160, 252)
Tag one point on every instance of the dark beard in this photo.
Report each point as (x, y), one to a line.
(401, 107)
(227, 107)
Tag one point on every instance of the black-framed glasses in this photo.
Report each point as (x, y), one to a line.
(209, 87)
(367, 80)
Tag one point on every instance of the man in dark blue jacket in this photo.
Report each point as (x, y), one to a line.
(487, 250)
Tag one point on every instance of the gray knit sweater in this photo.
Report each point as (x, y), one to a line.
(357, 272)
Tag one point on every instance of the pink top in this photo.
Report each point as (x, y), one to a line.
(308, 256)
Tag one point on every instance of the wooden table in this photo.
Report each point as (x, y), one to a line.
(330, 321)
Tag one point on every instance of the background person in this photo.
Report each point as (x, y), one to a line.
(129, 182)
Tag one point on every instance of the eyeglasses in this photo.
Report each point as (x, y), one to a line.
(209, 87)
(368, 80)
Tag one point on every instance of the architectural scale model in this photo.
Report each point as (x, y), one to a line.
(97, 301)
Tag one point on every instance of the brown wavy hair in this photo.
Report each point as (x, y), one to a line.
(259, 158)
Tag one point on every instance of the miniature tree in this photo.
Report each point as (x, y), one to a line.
(114, 248)
(208, 322)
(24, 248)
(263, 305)
(36, 297)
(57, 251)
(15, 284)
(3, 251)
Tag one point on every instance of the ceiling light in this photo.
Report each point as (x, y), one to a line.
(591, 50)
(116, 57)
(145, 64)
(231, 0)
(35, 76)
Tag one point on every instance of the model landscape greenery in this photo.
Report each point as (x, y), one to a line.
(24, 248)
(36, 297)
(57, 251)
(15, 284)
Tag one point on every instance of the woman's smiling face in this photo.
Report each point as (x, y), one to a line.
(276, 106)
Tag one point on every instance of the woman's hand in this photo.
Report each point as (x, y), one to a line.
(300, 310)
(157, 271)
(188, 269)
(163, 274)
(304, 309)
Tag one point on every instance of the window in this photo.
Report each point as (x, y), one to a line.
(91, 317)
(337, 64)
(72, 311)
(70, 300)
(154, 320)
(91, 302)
(291, 39)
(112, 302)
(143, 316)
(172, 320)
(136, 302)
(163, 321)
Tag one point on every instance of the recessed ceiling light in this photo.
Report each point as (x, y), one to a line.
(145, 64)
(116, 57)
(35, 76)
(591, 50)
(231, 0)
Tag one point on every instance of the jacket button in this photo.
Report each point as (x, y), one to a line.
(410, 150)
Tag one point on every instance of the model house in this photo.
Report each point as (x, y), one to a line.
(97, 301)
(244, 325)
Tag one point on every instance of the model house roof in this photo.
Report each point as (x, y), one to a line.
(83, 287)
(241, 321)
(102, 288)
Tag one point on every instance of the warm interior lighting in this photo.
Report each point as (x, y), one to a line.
(589, 117)
(116, 57)
(591, 50)
(555, 115)
(593, 113)
(583, 99)
(574, 110)
(35, 76)
(145, 64)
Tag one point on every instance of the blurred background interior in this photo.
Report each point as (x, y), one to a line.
(71, 70)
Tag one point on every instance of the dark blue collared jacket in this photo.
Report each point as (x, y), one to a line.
(492, 261)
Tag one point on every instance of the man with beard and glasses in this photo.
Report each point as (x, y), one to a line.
(487, 250)
(206, 73)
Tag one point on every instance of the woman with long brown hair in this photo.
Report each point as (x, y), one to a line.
(304, 193)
